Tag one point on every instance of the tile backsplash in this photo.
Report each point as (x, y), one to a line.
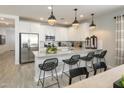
(80, 44)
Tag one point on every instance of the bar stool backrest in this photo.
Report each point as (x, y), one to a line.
(103, 53)
(90, 55)
(50, 64)
(74, 59)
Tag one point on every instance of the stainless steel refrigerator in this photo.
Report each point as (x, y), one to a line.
(29, 42)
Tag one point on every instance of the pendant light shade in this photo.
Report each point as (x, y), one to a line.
(92, 25)
(75, 23)
(52, 19)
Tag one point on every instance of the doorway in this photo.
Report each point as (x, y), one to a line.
(7, 30)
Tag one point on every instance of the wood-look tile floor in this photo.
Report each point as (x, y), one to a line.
(22, 76)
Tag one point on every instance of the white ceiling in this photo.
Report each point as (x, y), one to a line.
(60, 11)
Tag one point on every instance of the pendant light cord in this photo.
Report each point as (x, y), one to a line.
(92, 18)
(75, 13)
(52, 9)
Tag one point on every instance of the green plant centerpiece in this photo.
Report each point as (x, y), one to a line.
(122, 81)
(51, 49)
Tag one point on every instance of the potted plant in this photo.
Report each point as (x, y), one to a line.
(51, 49)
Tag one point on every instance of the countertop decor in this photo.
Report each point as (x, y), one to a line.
(51, 50)
(119, 83)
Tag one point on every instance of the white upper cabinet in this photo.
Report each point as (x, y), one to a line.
(84, 29)
(24, 27)
(80, 34)
(37, 28)
(50, 30)
(61, 34)
(73, 35)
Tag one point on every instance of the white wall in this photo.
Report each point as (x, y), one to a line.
(10, 40)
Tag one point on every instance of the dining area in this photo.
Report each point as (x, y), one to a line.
(77, 63)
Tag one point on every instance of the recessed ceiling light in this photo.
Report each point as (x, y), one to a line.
(65, 22)
(3, 22)
(1, 18)
(49, 7)
(41, 18)
(81, 15)
(7, 23)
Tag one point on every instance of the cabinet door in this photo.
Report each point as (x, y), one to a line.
(24, 27)
(64, 35)
(80, 34)
(72, 34)
(37, 28)
(84, 28)
(61, 34)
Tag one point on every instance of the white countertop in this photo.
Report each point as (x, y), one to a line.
(102, 80)
(61, 52)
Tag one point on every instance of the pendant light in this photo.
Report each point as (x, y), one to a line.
(75, 23)
(92, 25)
(52, 19)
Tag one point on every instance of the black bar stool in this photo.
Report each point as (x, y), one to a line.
(99, 66)
(48, 65)
(72, 61)
(78, 72)
(88, 58)
(101, 56)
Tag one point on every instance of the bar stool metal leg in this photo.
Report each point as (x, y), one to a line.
(78, 65)
(92, 63)
(70, 67)
(52, 74)
(104, 60)
(79, 62)
(70, 80)
(97, 60)
(43, 78)
(57, 78)
(86, 64)
(63, 70)
(39, 79)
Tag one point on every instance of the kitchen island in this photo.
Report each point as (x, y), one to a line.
(61, 54)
